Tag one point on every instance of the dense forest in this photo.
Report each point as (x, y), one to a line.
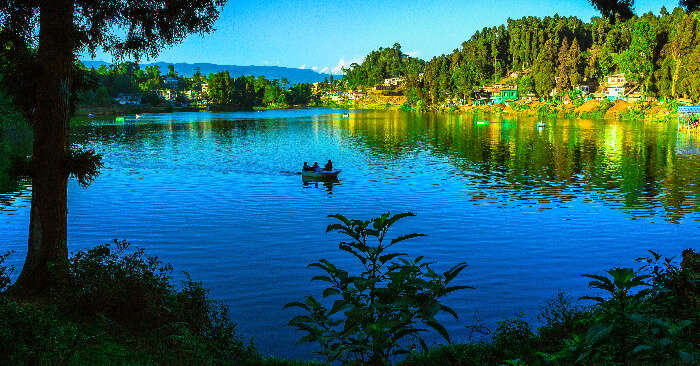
(659, 53)
(242, 92)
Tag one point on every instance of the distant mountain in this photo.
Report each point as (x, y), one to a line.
(293, 75)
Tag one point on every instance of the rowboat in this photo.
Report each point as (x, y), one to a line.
(323, 174)
(346, 115)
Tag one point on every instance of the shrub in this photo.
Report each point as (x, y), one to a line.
(5, 271)
(32, 335)
(514, 337)
(385, 308)
(125, 286)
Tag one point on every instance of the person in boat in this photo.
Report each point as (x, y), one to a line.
(306, 167)
(315, 167)
(328, 166)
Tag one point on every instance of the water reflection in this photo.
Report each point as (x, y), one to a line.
(326, 183)
(640, 167)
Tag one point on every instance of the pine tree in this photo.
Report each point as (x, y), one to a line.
(574, 64)
(563, 84)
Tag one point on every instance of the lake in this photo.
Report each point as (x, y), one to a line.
(529, 209)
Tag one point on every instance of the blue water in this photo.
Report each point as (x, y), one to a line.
(219, 196)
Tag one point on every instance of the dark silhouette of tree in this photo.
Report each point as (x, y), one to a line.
(690, 5)
(615, 9)
(39, 44)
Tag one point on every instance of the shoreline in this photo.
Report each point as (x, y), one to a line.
(592, 109)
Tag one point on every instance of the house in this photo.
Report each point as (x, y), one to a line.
(482, 97)
(635, 97)
(531, 97)
(354, 95)
(509, 94)
(167, 94)
(389, 84)
(393, 82)
(128, 99)
(170, 82)
(689, 116)
(615, 86)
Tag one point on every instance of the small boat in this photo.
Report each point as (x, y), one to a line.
(322, 174)
(91, 115)
(139, 115)
(346, 115)
(482, 122)
(540, 124)
(119, 119)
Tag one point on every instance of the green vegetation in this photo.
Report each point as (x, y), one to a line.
(381, 312)
(219, 89)
(554, 54)
(657, 325)
(119, 306)
(382, 64)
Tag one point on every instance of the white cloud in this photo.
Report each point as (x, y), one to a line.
(324, 70)
(315, 68)
(338, 69)
(412, 53)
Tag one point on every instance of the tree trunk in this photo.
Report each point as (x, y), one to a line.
(674, 79)
(51, 123)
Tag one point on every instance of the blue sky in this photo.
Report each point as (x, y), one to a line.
(325, 35)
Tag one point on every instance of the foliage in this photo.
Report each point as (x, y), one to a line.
(657, 51)
(5, 271)
(382, 64)
(84, 165)
(514, 337)
(613, 9)
(654, 326)
(386, 307)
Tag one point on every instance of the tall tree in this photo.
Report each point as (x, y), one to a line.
(60, 30)
(574, 64)
(614, 9)
(637, 61)
(690, 5)
(563, 84)
(545, 69)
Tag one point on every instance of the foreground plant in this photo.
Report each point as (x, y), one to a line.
(383, 311)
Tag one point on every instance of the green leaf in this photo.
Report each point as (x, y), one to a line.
(330, 291)
(390, 221)
(388, 257)
(439, 328)
(321, 278)
(597, 332)
(454, 271)
(594, 298)
(296, 304)
(338, 305)
(449, 310)
(404, 237)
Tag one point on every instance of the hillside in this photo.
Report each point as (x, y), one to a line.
(294, 75)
